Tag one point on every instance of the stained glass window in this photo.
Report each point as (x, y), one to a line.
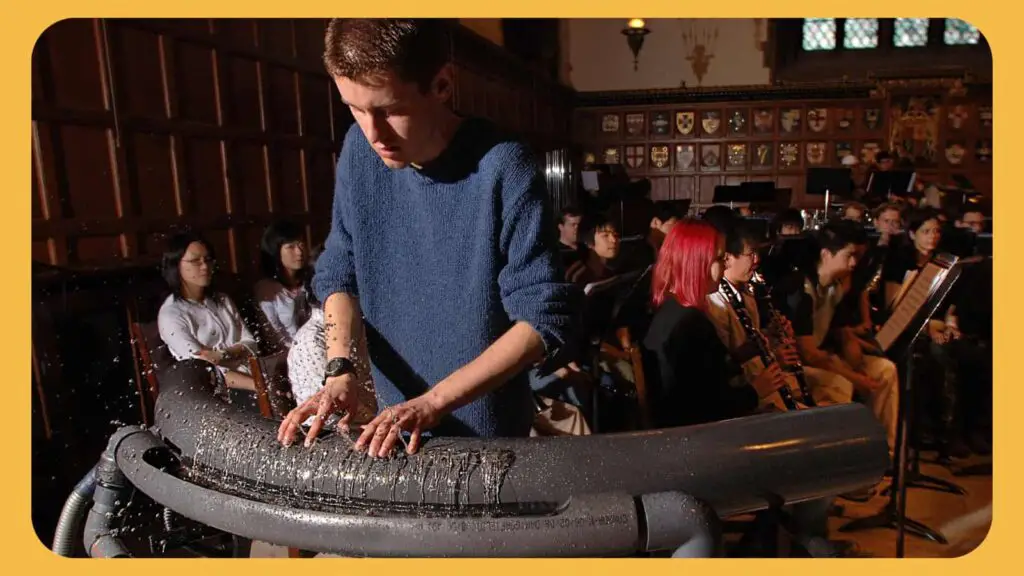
(957, 32)
(860, 33)
(910, 32)
(819, 33)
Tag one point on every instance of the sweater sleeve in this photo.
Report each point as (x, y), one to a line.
(531, 281)
(335, 268)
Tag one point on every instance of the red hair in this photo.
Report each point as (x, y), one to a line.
(684, 264)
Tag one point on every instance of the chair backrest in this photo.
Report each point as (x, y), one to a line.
(273, 390)
(626, 350)
(150, 354)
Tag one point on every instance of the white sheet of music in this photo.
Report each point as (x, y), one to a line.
(910, 304)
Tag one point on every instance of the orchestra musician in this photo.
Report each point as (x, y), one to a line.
(741, 261)
(693, 377)
(810, 295)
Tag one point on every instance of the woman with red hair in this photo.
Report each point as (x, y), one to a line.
(696, 379)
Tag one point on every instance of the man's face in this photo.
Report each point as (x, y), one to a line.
(889, 223)
(569, 230)
(399, 120)
(841, 264)
(790, 230)
(606, 242)
(739, 268)
(854, 214)
(885, 165)
(973, 220)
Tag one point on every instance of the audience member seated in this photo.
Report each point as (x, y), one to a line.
(281, 294)
(809, 296)
(196, 321)
(307, 364)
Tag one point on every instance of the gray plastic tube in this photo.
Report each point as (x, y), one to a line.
(736, 466)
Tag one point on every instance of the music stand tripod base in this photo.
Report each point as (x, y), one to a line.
(887, 518)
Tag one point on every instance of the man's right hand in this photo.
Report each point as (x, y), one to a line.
(337, 396)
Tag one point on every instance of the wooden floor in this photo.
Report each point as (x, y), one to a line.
(963, 519)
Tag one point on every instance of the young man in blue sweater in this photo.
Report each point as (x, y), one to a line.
(441, 248)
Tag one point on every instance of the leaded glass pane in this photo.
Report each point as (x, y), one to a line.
(910, 32)
(819, 33)
(957, 32)
(860, 33)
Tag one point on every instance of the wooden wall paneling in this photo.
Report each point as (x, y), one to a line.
(661, 188)
(173, 104)
(74, 60)
(707, 185)
(684, 188)
(45, 194)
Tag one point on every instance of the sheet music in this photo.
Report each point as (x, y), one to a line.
(610, 283)
(910, 304)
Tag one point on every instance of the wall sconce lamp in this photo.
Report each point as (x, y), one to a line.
(635, 32)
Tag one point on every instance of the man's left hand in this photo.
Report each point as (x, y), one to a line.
(414, 416)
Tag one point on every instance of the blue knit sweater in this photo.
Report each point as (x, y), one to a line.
(444, 260)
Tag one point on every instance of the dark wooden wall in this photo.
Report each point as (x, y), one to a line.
(651, 136)
(140, 126)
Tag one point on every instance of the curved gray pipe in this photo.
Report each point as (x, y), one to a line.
(737, 466)
(73, 513)
(586, 525)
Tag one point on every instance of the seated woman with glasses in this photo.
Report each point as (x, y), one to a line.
(196, 321)
(281, 294)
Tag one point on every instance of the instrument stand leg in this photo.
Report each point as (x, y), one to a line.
(894, 514)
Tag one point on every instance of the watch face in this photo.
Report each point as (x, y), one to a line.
(339, 366)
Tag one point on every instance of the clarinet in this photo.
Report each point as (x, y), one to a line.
(757, 285)
(755, 336)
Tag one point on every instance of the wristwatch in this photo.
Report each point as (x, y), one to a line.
(339, 366)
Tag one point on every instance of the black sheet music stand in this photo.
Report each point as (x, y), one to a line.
(897, 339)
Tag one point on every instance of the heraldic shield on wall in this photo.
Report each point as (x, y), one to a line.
(685, 122)
(610, 123)
(711, 121)
(914, 128)
(685, 156)
(790, 119)
(764, 156)
(635, 156)
(635, 124)
(661, 124)
(611, 155)
(738, 122)
(737, 157)
(816, 153)
(764, 120)
(659, 157)
(817, 119)
(711, 156)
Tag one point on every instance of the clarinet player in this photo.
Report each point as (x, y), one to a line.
(730, 316)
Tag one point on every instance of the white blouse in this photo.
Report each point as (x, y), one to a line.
(284, 310)
(187, 326)
(307, 363)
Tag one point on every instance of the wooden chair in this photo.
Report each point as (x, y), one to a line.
(149, 354)
(627, 351)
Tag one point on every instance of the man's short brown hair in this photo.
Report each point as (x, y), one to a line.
(413, 49)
